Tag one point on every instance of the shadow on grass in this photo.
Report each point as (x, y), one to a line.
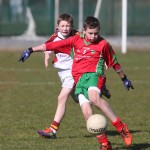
(143, 146)
(114, 133)
(134, 146)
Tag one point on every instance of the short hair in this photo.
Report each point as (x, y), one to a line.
(91, 23)
(65, 17)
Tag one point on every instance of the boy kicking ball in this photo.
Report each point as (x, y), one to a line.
(91, 51)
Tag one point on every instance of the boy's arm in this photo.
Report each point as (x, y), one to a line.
(63, 46)
(126, 82)
(111, 61)
(26, 54)
(46, 58)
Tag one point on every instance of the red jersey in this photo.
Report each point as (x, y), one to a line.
(88, 57)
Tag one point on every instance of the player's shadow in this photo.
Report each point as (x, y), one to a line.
(114, 133)
(134, 146)
(143, 146)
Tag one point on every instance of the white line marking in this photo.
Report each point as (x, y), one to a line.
(23, 69)
(39, 70)
(52, 83)
(26, 83)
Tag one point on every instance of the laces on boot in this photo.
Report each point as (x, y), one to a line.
(47, 133)
(127, 137)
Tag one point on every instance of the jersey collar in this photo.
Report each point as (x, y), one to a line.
(87, 42)
(60, 35)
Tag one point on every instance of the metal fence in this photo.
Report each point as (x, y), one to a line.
(14, 17)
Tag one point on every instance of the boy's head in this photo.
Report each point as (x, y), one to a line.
(65, 24)
(91, 28)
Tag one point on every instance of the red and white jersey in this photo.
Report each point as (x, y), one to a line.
(88, 57)
(61, 60)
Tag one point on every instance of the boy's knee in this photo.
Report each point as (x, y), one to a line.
(96, 100)
(62, 98)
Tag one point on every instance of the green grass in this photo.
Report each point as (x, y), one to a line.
(28, 100)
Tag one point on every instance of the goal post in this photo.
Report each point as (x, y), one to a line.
(97, 9)
(80, 15)
(96, 14)
(124, 27)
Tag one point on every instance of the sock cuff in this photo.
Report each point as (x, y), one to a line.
(102, 138)
(54, 125)
(118, 125)
(116, 122)
(99, 137)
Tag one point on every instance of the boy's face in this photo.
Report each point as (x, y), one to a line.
(64, 28)
(91, 34)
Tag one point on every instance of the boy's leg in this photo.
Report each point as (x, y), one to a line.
(86, 107)
(67, 85)
(101, 103)
(74, 96)
(124, 132)
(87, 111)
(49, 132)
(88, 84)
(103, 140)
(107, 110)
(61, 108)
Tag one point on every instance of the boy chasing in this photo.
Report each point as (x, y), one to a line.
(91, 51)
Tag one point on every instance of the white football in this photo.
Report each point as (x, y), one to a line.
(96, 124)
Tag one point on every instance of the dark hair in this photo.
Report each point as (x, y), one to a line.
(65, 17)
(91, 23)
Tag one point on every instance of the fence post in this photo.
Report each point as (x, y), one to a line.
(50, 7)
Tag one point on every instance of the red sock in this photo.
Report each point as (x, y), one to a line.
(102, 138)
(118, 125)
(54, 126)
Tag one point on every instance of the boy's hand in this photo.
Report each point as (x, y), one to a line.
(46, 59)
(127, 83)
(105, 92)
(25, 55)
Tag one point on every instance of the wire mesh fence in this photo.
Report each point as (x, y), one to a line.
(14, 19)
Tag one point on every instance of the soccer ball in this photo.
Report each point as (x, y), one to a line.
(96, 124)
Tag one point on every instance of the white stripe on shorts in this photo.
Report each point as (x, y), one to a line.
(82, 99)
(94, 88)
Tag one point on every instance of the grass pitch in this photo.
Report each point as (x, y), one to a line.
(28, 100)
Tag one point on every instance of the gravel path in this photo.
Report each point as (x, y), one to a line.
(21, 43)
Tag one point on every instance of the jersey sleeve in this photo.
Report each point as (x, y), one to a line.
(110, 58)
(52, 37)
(63, 46)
